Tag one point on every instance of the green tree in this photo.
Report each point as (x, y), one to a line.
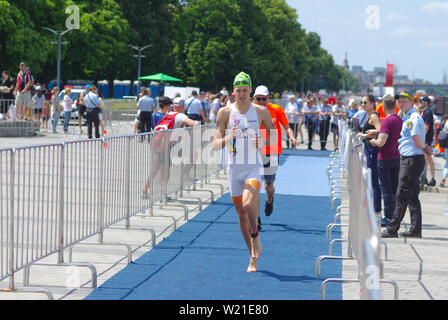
(96, 50)
(20, 39)
(150, 22)
(217, 39)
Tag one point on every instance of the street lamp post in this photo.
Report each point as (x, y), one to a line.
(59, 43)
(139, 56)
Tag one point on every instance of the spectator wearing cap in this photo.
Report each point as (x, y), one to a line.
(388, 157)
(194, 108)
(92, 112)
(352, 108)
(412, 147)
(428, 118)
(271, 153)
(146, 106)
(38, 103)
(181, 119)
(324, 123)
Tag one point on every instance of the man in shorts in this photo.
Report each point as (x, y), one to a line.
(238, 128)
(23, 92)
(270, 154)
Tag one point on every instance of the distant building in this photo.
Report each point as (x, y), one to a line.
(345, 65)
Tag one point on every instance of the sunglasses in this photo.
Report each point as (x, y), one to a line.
(261, 99)
(364, 102)
(243, 82)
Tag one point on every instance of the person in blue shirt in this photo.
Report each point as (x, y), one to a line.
(92, 112)
(352, 108)
(324, 123)
(146, 105)
(412, 148)
(310, 113)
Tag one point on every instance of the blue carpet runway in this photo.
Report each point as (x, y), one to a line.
(206, 258)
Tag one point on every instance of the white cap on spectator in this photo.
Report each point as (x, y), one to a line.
(291, 96)
(178, 101)
(38, 88)
(261, 91)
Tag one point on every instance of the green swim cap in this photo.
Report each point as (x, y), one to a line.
(242, 79)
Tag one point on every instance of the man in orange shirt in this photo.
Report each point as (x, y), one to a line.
(270, 154)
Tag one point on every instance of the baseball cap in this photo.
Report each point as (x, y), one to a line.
(261, 91)
(425, 99)
(405, 95)
(178, 101)
(38, 88)
(242, 79)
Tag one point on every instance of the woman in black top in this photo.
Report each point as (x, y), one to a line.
(370, 131)
(7, 82)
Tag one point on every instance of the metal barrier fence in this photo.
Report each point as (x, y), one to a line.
(363, 228)
(55, 196)
(5, 211)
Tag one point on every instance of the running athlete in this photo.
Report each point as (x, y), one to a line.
(238, 129)
(270, 154)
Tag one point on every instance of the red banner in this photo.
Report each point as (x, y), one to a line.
(389, 76)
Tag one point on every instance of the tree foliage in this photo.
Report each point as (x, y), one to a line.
(204, 42)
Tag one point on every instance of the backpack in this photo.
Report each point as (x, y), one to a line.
(443, 139)
(167, 122)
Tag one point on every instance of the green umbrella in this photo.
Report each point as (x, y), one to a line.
(160, 77)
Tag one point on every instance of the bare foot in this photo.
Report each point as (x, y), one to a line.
(252, 265)
(256, 248)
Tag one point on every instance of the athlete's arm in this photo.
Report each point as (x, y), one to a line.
(267, 123)
(219, 138)
(285, 123)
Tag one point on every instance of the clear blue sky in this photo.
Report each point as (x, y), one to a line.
(413, 35)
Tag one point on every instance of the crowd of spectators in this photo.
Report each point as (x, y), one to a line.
(25, 98)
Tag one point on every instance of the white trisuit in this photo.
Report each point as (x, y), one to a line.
(244, 159)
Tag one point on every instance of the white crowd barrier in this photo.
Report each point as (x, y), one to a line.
(55, 196)
(348, 175)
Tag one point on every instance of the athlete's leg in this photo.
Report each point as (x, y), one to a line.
(251, 205)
